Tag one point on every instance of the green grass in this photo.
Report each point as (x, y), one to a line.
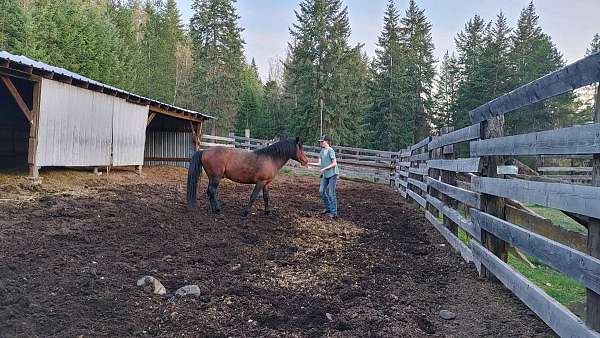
(560, 287)
(559, 219)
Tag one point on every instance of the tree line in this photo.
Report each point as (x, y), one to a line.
(389, 101)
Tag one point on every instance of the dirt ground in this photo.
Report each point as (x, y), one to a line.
(72, 250)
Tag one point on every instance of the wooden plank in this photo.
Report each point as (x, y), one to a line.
(209, 144)
(456, 217)
(461, 165)
(555, 315)
(574, 140)
(402, 193)
(419, 184)
(218, 138)
(403, 164)
(403, 173)
(454, 241)
(419, 157)
(465, 134)
(150, 118)
(420, 144)
(157, 109)
(405, 153)
(579, 266)
(593, 225)
(579, 199)
(507, 170)
(17, 97)
(403, 183)
(544, 227)
(422, 202)
(423, 171)
(566, 169)
(581, 73)
(467, 197)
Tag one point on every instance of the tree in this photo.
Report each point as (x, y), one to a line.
(218, 59)
(12, 26)
(415, 37)
(250, 99)
(533, 55)
(594, 46)
(319, 73)
(446, 90)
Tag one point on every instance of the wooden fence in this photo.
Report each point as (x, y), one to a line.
(476, 195)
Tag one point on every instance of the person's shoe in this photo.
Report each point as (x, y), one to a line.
(325, 211)
(333, 216)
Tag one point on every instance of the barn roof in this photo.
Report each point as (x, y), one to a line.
(24, 64)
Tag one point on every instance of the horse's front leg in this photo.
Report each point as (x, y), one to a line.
(213, 184)
(253, 197)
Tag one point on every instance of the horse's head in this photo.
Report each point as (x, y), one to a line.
(300, 156)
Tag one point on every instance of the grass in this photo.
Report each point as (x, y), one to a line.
(560, 287)
(559, 218)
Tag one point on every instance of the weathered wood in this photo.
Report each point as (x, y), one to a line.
(581, 73)
(403, 173)
(467, 197)
(544, 227)
(17, 97)
(420, 200)
(574, 140)
(150, 118)
(565, 169)
(419, 171)
(454, 241)
(402, 183)
(405, 153)
(210, 144)
(593, 225)
(507, 170)
(404, 164)
(402, 193)
(195, 118)
(573, 263)
(461, 165)
(419, 157)
(420, 144)
(555, 315)
(461, 135)
(569, 197)
(218, 138)
(418, 184)
(456, 217)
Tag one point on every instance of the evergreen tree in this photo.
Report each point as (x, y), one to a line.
(495, 66)
(470, 45)
(594, 46)
(386, 116)
(533, 55)
(218, 59)
(250, 100)
(446, 90)
(420, 68)
(12, 26)
(319, 73)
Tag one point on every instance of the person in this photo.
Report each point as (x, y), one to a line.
(329, 175)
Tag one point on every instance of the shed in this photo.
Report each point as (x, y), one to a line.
(51, 117)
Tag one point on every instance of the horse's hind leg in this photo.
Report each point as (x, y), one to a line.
(266, 198)
(253, 197)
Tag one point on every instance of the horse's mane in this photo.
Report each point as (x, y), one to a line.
(282, 150)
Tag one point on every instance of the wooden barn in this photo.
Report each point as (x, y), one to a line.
(51, 117)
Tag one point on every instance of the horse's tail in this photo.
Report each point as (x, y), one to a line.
(194, 174)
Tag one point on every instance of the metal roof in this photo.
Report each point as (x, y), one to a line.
(23, 63)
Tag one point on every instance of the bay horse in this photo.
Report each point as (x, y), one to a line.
(258, 167)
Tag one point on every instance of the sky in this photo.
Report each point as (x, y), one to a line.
(570, 23)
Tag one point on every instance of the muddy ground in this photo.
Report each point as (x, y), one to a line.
(72, 250)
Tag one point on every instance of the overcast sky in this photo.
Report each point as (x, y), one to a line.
(570, 23)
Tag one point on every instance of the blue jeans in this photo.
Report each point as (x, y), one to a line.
(327, 191)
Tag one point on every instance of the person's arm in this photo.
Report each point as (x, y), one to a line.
(316, 164)
(333, 161)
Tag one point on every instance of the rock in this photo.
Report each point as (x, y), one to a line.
(329, 317)
(188, 290)
(447, 315)
(235, 267)
(157, 286)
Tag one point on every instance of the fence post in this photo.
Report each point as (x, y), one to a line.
(490, 204)
(450, 178)
(435, 174)
(593, 299)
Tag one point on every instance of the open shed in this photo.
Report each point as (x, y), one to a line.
(51, 117)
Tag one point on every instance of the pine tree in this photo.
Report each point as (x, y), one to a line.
(446, 90)
(495, 65)
(250, 100)
(533, 55)
(12, 26)
(594, 46)
(318, 73)
(218, 59)
(470, 45)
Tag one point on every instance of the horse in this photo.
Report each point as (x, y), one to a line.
(258, 167)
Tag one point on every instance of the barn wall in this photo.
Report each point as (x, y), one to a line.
(163, 143)
(80, 127)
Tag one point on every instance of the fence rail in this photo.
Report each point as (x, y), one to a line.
(484, 203)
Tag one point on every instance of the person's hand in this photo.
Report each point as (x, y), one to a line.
(321, 170)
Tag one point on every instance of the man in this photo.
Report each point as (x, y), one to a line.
(329, 175)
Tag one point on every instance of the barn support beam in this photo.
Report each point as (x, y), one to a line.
(150, 118)
(33, 133)
(18, 98)
(154, 109)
